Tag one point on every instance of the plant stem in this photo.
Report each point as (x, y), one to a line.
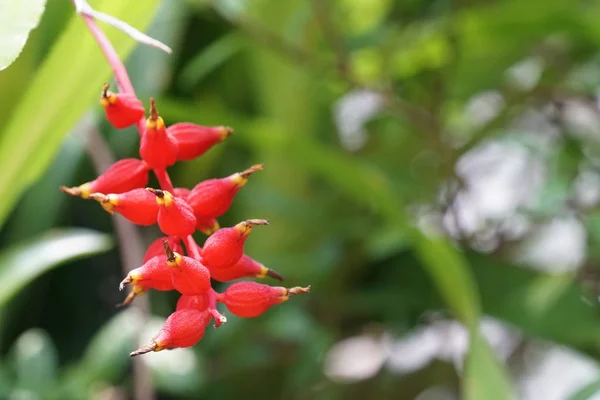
(163, 179)
(115, 62)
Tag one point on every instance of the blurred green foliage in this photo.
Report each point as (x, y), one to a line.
(359, 223)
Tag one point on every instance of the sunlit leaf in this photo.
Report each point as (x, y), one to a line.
(17, 19)
(35, 359)
(25, 261)
(485, 377)
(53, 103)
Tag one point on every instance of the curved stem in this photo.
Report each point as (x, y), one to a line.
(111, 55)
(163, 179)
(192, 247)
(115, 62)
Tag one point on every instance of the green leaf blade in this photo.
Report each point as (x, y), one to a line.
(22, 263)
(61, 91)
(17, 20)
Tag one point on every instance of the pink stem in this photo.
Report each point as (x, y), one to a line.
(163, 179)
(121, 75)
(111, 55)
(192, 247)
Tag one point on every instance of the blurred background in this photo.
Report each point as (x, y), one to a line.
(432, 170)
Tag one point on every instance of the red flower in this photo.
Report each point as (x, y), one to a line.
(212, 198)
(138, 206)
(121, 177)
(246, 267)
(183, 328)
(121, 109)
(207, 226)
(250, 299)
(188, 276)
(157, 147)
(154, 274)
(225, 247)
(198, 302)
(175, 216)
(194, 140)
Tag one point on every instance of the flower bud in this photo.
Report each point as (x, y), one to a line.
(157, 147)
(183, 328)
(138, 205)
(153, 274)
(246, 267)
(225, 247)
(194, 140)
(250, 299)
(121, 177)
(207, 226)
(213, 197)
(199, 302)
(121, 109)
(175, 216)
(157, 248)
(188, 276)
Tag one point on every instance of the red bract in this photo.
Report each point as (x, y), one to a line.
(157, 247)
(246, 267)
(199, 302)
(183, 328)
(121, 177)
(138, 206)
(181, 192)
(207, 226)
(194, 140)
(157, 147)
(212, 198)
(226, 246)
(179, 212)
(175, 216)
(188, 276)
(250, 299)
(121, 109)
(154, 274)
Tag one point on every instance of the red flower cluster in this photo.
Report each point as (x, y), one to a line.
(179, 212)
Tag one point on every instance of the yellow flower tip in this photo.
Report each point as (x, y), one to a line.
(173, 259)
(108, 202)
(155, 124)
(241, 178)
(163, 197)
(86, 190)
(225, 132)
(107, 97)
(263, 271)
(154, 121)
(245, 227)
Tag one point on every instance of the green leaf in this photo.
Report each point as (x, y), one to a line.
(23, 262)
(36, 361)
(53, 104)
(485, 378)
(210, 59)
(549, 306)
(587, 391)
(107, 354)
(452, 276)
(17, 19)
